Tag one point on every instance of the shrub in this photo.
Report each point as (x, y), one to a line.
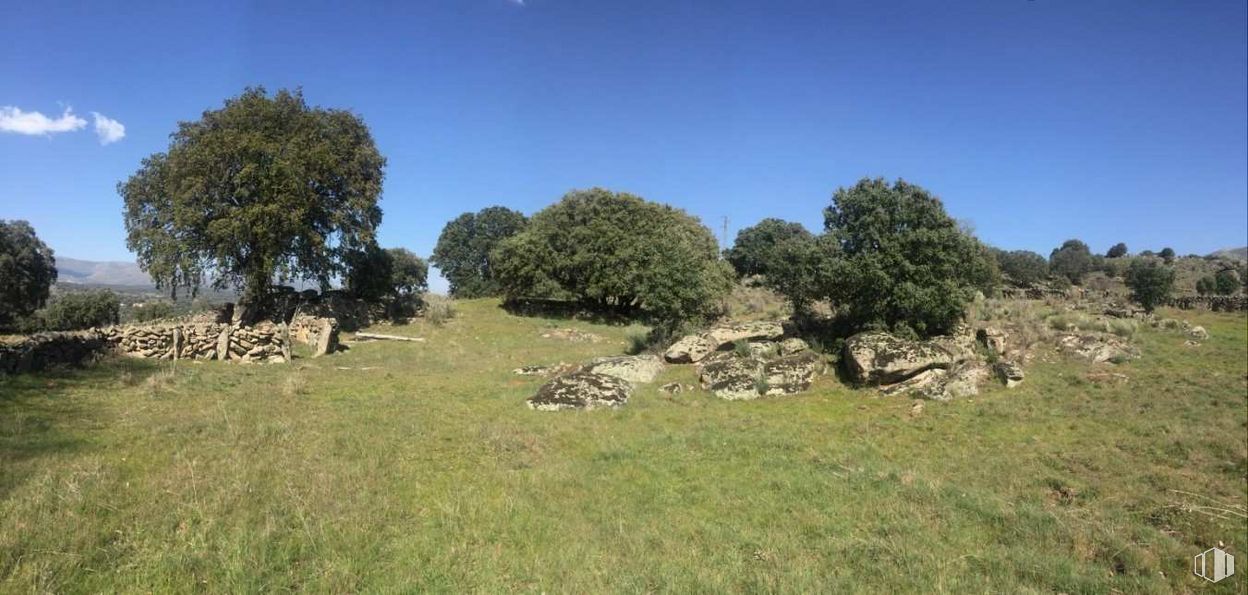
(615, 252)
(1117, 251)
(1206, 285)
(465, 247)
(1150, 281)
(81, 310)
(1023, 267)
(394, 277)
(150, 311)
(438, 309)
(1167, 254)
(1072, 260)
(898, 261)
(755, 250)
(27, 271)
(1226, 282)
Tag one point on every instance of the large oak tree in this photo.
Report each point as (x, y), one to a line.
(27, 271)
(265, 188)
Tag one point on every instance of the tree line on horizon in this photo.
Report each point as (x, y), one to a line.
(269, 189)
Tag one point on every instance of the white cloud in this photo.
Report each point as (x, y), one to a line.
(108, 129)
(17, 121)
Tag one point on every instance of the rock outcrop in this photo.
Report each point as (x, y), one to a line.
(1097, 347)
(745, 331)
(581, 390)
(877, 357)
(1010, 373)
(633, 368)
(791, 374)
(689, 350)
(734, 378)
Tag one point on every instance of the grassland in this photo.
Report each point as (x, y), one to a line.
(416, 467)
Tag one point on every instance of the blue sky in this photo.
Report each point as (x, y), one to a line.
(1036, 120)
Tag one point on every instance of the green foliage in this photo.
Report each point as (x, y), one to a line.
(1167, 254)
(1226, 282)
(27, 271)
(81, 310)
(1072, 260)
(438, 309)
(1023, 267)
(464, 249)
(617, 252)
(264, 187)
(394, 277)
(1117, 251)
(757, 249)
(898, 261)
(1151, 282)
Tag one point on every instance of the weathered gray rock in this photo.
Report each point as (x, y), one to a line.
(688, 350)
(793, 345)
(581, 390)
(923, 381)
(676, 388)
(993, 339)
(1010, 373)
(733, 378)
(747, 331)
(550, 370)
(1198, 333)
(633, 368)
(326, 338)
(763, 350)
(963, 380)
(876, 357)
(1097, 347)
(792, 373)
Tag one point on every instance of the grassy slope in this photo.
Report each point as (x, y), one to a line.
(428, 473)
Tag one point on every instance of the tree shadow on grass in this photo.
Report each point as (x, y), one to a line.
(570, 310)
(42, 418)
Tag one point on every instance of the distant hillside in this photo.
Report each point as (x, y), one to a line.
(88, 272)
(1233, 253)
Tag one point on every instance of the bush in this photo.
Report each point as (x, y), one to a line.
(81, 310)
(1023, 267)
(1117, 251)
(898, 261)
(755, 250)
(1150, 281)
(615, 252)
(27, 271)
(465, 247)
(1167, 254)
(150, 311)
(438, 309)
(1206, 285)
(1072, 260)
(393, 277)
(1226, 282)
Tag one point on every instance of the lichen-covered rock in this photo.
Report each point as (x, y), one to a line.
(791, 374)
(748, 331)
(963, 380)
(1010, 373)
(793, 345)
(676, 388)
(1198, 333)
(993, 339)
(551, 370)
(688, 350)
(733, 378)
(763, 350)
(922, 381)
(876, 357)
(633, 368)
(581, 390)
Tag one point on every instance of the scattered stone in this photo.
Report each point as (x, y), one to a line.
(551, 370)
(581, 390)
(688, 350)
(1198, 333)
(573, 335)
(876, 357)
(748, 331)
(633, 368)
(1010, 373)
(1097, 348)
(964, 380)
(1191, 343)
(676, 388)
(793, 345)
(916, 409)
(1107, 378)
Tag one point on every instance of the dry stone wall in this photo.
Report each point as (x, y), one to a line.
(39, 351)
(1217, 303)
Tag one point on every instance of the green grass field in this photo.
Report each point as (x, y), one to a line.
(417, 467)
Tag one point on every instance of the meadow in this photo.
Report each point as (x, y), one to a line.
(416, 467)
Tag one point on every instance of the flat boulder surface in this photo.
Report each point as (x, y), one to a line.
(633, 368)
(688, 350)
(581, 390)
(792, 373)
(733, 378)
(876, 357)
(744, 331)
(1097, 348)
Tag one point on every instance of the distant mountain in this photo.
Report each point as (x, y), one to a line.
(1233, 253)
(89, 272)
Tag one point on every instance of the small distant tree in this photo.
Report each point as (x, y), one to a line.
(265, 187)
(1117, 251)
(1151, 282)
(409, 274)
(465, 248)
(27, 271)
(617, 252)
(899, 261)
(1226, 282)
(81, 310)
(801, 268)
(755, 250)
(1167, 254)
(394, 277)
(150, 311)
(1072, 260)
(1206, 285)
(1022, 267)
